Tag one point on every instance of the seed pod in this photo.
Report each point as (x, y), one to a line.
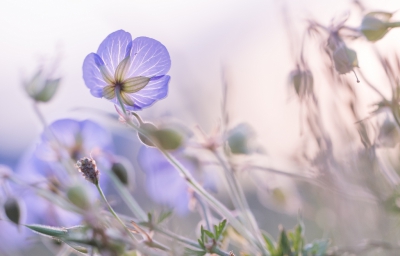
(120, 171)
(12, 210)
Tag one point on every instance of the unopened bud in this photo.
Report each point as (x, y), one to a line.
(87, 166)
(41, 88)
(149, 128)
(374, 25)
(389, 134)
(168, 139)
(345, 59)
(302, 82)
(79, 197)
(240, 139)
(120, 171)
(12, 210)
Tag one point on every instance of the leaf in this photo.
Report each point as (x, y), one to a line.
(209, 234)
(269, 242)
(57, 232)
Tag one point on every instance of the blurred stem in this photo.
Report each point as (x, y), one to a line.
(217, 205)
(128, 198)
(241, 198)
(113, 212)
(39, 114)
(204, 210)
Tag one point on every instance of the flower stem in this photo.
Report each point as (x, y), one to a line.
(128, 198)
(113, 212)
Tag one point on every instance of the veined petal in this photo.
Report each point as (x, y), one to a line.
(92, 74)
(122, 69)
(108, 78)
(127, 99)
(156, 89)
(109, 92)
(148, 58)
(113, 49)
(135, 84)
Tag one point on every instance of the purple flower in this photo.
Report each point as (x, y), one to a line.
(164, 184)
(135, 69)
(62, 141)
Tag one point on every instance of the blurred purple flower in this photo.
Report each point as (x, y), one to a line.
(165, 185)
(62, 141)
(136, 68)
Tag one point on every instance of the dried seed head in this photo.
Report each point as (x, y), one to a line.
(87, 166)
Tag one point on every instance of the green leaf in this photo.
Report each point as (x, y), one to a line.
(164, 216)
(57, 232)
(269, 243)
(209, 234)
(283, 247)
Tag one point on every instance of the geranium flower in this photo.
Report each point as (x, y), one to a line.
(62, 143)
(136, 70)
(165, 185)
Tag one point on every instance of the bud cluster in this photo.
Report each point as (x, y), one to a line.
(87, 166)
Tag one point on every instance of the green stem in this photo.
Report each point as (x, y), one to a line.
(393, 24)
(128, 198)
(113, 212)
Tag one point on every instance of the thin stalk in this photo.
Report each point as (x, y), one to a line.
(204, 211)
(113, 212)
(128, 198)
(242, 200)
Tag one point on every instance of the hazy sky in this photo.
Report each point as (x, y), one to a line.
(246, 37)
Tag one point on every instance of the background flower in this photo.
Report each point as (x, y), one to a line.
(164, 184)
(135, 69)
(61, 144)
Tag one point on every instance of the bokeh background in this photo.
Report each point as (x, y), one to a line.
(244, 43)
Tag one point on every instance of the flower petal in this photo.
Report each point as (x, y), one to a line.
(156, 89)
(148, 58)
(92, 75)
(135, 84)
(126, 99)
(113, 49)
(109, 92)
(163, 183)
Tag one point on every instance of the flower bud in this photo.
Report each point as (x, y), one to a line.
(120, 171)
(41, 88)
(302, 81)
(389, 134)
(374, 25)
(345, 59)
(149, 128)
(79, 197)
(87, 166)
(12, 210)
(167, 138)
(240, 139)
